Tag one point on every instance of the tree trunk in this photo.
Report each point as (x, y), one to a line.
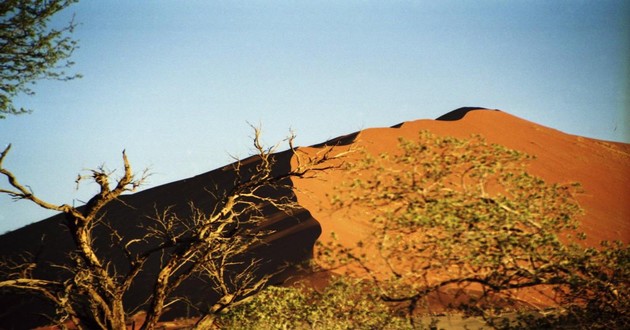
(206, 322)
(118, 319)
(157, 303)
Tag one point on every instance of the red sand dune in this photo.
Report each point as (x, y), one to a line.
(603, 169)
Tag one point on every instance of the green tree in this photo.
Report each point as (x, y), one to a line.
(30, 50)
(463, 217)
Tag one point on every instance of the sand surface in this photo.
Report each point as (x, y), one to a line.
(602, 168)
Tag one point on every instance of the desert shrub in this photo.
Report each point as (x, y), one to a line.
(343, 304)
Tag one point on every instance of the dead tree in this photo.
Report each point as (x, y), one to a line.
(205, 245)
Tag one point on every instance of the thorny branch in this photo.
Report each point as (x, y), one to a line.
(213, 246)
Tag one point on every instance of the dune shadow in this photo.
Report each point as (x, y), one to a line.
(459, 113)
(291, 242)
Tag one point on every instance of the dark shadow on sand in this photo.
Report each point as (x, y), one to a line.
(292, 242)
(459, 113)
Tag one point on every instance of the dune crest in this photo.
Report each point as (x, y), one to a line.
(459, 113)
(602, 168)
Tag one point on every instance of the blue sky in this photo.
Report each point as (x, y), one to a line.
(175, 83)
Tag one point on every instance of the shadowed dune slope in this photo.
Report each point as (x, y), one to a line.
(458, 114)
(603, 169)
(291, 242)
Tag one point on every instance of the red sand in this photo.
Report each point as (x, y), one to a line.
(603, 169)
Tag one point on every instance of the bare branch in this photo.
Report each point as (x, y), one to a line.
(214, 246)
(22, 192)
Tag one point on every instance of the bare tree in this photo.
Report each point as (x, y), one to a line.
(210, 246)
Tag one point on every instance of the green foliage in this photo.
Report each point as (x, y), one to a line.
(344, 304)
(595, 296)
(465, 216)
(29, 49)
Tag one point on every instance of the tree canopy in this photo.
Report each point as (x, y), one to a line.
(30, 50)
(463, 217)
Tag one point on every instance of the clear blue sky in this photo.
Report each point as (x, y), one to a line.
(176, 82)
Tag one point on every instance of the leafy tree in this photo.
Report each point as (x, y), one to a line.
(462, 216)
(30, 50)
(213, 247)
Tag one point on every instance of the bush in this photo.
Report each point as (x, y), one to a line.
(343, 304)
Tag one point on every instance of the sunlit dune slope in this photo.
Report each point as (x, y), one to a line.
(602, 168)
